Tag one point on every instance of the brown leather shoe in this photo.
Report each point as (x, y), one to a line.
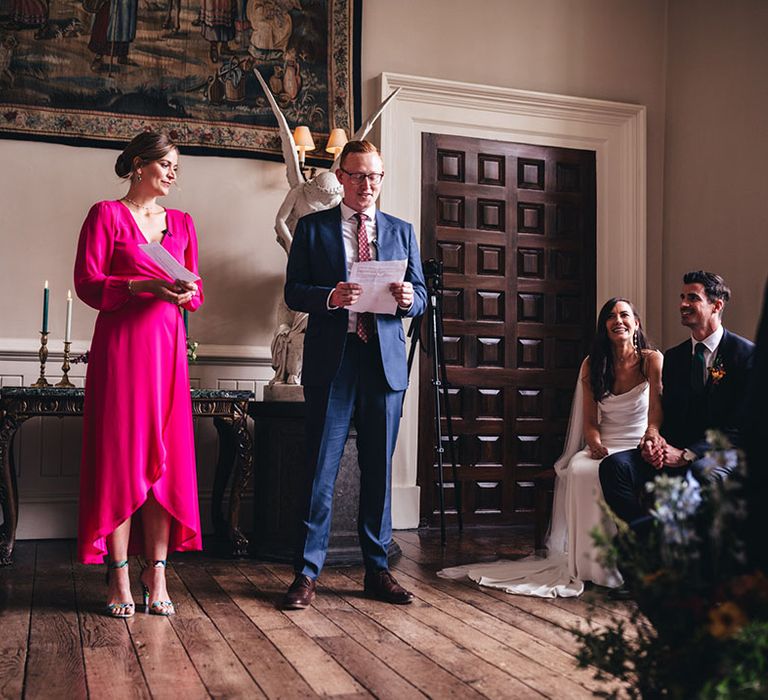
(300, 594)
(383, 586)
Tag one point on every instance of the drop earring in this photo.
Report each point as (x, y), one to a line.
(138, 176)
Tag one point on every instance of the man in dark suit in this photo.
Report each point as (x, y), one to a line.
(354, 366)
(705, 381)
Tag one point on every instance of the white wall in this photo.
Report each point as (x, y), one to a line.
(715, 203)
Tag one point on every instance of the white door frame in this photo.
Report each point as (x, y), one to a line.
(615, 131)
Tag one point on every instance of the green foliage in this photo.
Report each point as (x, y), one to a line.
(744, 667)
(700, 627)
(191, 350)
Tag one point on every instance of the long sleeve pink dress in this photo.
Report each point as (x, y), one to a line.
(137, 426)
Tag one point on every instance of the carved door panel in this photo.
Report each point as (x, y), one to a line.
(514, 226)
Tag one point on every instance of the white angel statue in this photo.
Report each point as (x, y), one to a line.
(304, 197)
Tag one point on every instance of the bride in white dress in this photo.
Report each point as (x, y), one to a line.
(616, 406)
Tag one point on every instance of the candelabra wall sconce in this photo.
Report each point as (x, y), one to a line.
(302, 138)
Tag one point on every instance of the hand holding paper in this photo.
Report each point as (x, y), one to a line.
(167, 263)
(375, 278)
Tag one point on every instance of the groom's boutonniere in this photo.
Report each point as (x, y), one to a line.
(717, 371)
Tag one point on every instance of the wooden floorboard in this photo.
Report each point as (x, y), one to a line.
(55, 666)
(112, 667)
(15, 610)
(271, 671)
(220, 669)
(292, 634)
(229, 639)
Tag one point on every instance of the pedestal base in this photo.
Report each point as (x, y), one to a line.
(283, 392)
(281, 480)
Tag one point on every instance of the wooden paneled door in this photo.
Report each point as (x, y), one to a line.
(514, 226)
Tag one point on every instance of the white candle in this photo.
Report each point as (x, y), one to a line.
(68, 330)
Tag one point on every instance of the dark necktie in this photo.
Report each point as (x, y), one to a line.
(364, 328)
(698, 368)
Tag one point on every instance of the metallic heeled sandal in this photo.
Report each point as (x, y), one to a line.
(159, 607)
(120, 610)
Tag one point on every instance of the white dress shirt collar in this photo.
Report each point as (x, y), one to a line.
(348, 213)
(711, 341)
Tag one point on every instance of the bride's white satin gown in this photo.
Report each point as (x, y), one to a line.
(571, 557)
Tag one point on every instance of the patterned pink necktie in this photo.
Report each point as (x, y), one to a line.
(364, 328)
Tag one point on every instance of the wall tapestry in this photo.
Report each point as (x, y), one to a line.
(96, 72)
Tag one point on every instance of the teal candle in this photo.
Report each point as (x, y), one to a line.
(186, 323)
(46, 293)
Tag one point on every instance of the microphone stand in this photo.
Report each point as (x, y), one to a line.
(433, 273)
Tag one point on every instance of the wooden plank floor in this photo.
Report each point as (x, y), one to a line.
(229, 639)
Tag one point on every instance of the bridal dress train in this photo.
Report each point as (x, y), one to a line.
(571, 557)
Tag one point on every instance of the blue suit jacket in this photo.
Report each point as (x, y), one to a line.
(688, 416)
(316, 263)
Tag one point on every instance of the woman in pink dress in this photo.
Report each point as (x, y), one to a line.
(138, 485)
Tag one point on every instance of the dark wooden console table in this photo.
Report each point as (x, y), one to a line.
(229, 410)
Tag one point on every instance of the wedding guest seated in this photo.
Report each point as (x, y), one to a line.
(138, 483)
(705, 380)
(615, 405)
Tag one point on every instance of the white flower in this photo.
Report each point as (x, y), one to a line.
(676, 501)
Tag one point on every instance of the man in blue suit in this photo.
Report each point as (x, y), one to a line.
(354, 366)
(705, 380)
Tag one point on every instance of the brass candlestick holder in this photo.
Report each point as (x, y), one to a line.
(65, 383)
(42, 353)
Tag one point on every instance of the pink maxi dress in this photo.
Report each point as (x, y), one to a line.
(137, 425)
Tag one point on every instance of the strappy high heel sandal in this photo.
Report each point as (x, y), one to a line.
(159, 607)
(121, 610)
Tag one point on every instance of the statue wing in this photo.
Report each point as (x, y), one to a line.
(290, 155)
(362, 132)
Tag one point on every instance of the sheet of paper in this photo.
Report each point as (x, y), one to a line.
(374, 277)
(167, 263)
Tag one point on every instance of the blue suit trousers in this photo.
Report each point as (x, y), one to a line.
(359, 392)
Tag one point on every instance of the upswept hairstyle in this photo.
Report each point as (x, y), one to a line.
(714, 285)
(602, 373)
(148, 146)
(356, 147)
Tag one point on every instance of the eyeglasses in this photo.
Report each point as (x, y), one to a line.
(359, 178)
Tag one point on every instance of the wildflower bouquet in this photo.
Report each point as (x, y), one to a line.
(700, 628)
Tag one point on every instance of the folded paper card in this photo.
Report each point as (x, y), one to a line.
(167, 263)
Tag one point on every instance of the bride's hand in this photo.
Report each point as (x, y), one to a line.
(652, 451)
(597, 451)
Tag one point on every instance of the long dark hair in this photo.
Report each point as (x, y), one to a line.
(602, 373)
(148, 146)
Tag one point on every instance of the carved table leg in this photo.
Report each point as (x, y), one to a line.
(240, 483)
(9, 499)
(223, 471)
(234, 450)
